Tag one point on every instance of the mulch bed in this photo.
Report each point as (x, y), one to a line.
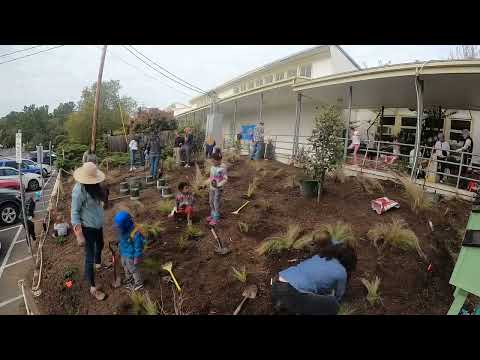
(207, 281)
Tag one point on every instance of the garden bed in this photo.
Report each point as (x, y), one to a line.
(207, 281)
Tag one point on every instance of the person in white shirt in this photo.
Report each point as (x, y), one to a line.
(355, 145)
(133, 146)
(441, 150)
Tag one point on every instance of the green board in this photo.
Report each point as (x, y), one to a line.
(466, 274)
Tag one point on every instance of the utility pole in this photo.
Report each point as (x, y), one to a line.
(97, 100)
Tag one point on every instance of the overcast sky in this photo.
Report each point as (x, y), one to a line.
(60, 75)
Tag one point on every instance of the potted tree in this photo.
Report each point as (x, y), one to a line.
(324, 150)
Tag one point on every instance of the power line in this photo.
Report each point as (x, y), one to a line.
(148, 75)
(158, 71)
(179, 78)
(14, 52)
(38, 52)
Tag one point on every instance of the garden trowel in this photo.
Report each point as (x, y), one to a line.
(250, 292)
(116, 279)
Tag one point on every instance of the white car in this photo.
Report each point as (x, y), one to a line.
(31, 181)
(46, 169)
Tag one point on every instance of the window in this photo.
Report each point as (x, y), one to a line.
(409, 121)
(236, 90)
(10, 172)
(291, 73)
(456, 127)
(243, 87)
(306, 70)
(258, 82)
(388, 120)
(11, 164)
(279, 76)
(250, 85)
(268, 79)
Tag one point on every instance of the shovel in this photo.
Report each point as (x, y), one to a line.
(116, 279)
(250, 292)
(240, 208)
(168, 267)
(220, 249)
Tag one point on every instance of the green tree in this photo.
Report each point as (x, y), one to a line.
(79, 123)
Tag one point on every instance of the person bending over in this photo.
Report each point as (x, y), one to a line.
(316, 285)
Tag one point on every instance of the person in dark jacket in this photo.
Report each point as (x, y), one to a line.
(154, 154)
(316, 285)
(187, 146)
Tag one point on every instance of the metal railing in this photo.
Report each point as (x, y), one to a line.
(383, 157)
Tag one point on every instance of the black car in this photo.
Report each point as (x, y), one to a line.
(10, 206)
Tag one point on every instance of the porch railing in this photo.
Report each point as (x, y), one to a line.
(379, 152)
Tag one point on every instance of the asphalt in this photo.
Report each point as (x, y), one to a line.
(16, 261)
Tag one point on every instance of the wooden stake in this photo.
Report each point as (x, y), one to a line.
(97, 100)
(123, 124)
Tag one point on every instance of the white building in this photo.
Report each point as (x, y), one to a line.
(286, 93)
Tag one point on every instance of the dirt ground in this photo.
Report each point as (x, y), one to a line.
(207, 281)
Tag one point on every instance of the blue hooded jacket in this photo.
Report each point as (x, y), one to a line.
(130, 242)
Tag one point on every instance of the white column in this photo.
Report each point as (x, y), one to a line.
(419, 91)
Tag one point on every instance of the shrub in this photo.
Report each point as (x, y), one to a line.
(183, 242)
(243, 227)
(60, 240)
(154, 230)
(417, 198)
(276, 244)
(346, 309)
(199, 182)
(395, 234)
(341, 232)
(266, 204)
(152, 265)
(142, 304)
(370, 185)
(240, 275)
(166, 206)
(338, 175)
(192, 232)
(169, 164)
(373, 295)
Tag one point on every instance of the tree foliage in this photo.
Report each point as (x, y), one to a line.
(324, 149)
(79, 123)
(152, 120)
(37, 124)
(467, 52)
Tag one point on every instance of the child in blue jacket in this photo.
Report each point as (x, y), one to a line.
(130, 244)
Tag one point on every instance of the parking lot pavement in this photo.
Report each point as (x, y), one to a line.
(16, 261)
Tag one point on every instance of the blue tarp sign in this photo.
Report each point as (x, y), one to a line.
(247, 132)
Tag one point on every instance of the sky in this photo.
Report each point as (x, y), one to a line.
(60, 75)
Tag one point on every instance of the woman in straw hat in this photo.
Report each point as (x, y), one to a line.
(87, 219)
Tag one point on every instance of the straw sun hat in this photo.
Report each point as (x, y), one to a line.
(88, 174)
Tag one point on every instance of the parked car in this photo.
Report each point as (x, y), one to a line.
(31, 181)
(46, 157)
(10, 184)
(10, 206)
(46, 169)
(26, 168)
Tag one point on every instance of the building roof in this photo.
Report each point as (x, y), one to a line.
(453, 84)
(295, 56)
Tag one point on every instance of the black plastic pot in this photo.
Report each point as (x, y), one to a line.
(310, 188)
(166, 192)
(161, 182)
(134, 193)
(124, 188)
(149, 180)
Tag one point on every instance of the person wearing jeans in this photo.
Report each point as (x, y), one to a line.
(87, 218)
(315, 286)
(177, 148)
(258, 138)
(155, 151)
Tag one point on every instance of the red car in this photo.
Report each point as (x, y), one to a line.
(9, 184)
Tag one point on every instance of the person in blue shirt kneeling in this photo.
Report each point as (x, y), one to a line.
(316, 285)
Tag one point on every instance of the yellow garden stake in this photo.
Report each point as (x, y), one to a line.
(168, 267)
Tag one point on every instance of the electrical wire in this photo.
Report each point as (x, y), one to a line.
(144, 73)
(14, 52)
(158, 71)
(35, 53)
(179, 78)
